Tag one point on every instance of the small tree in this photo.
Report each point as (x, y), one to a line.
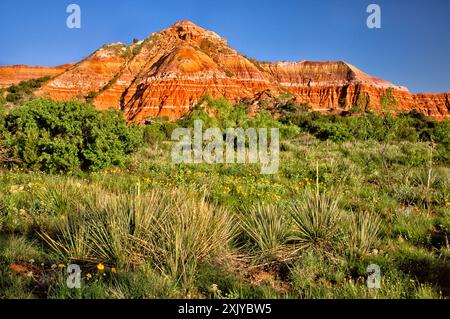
(388, 102)
(363, 101)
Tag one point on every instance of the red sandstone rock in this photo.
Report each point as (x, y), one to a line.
(10, 75)
(167, 73)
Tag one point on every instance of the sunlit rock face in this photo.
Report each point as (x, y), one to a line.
(167, 73)
(10, 75)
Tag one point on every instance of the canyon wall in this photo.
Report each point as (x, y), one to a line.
(167, 73)
(10, 75)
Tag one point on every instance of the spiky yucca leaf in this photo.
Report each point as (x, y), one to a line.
(268, 228)
(363, 233)
(315, 219)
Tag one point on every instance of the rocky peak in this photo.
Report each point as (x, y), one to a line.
(188, 31)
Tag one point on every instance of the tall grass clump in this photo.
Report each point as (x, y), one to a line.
(189, 232)
(173, 231)
(268, 229)
(315, 217)
(363, 230)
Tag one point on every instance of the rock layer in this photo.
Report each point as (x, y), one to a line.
(10, 75)
(167, 73)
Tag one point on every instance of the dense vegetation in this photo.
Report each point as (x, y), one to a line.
(24, 90)
(78, 186)
(65, 137)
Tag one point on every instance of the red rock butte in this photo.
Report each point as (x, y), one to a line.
(167, 73)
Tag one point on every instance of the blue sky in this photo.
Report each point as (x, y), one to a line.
(412, 48)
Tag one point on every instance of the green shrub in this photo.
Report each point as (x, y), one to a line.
(18, 92)
(441, 135)
(153, 133)
(2, 99)
(412, 127)
(68, 136)
(13, 97)
(334, 132)
(221, 114)
(388, 102)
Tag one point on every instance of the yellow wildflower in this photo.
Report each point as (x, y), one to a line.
(101, 267)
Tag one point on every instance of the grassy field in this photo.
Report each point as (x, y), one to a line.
(149, 228)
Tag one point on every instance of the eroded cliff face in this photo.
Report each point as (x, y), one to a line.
(10, 75)
(167, 74)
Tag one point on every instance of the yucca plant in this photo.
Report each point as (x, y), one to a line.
(315, 219)
(363, 230)
(98, 231)
(71, 238)
(110, 227)
(173, 231)
(59, 198)
(268, 228)
(189, 232)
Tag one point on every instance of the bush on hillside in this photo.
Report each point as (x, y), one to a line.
(412, 126)
(18, 92)
(158, 132)
(220, 113)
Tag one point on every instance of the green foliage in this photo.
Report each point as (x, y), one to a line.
(388, 102)
(2, 103)
(268, 229)
(363, 230)
(158, 132)
(68, 136)
(172, 231)
(440, 134)
(137, 49)
(332, 131)
(24, 89)
(363, 101)
(412, 126)
(220, 113)
(315, 219)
